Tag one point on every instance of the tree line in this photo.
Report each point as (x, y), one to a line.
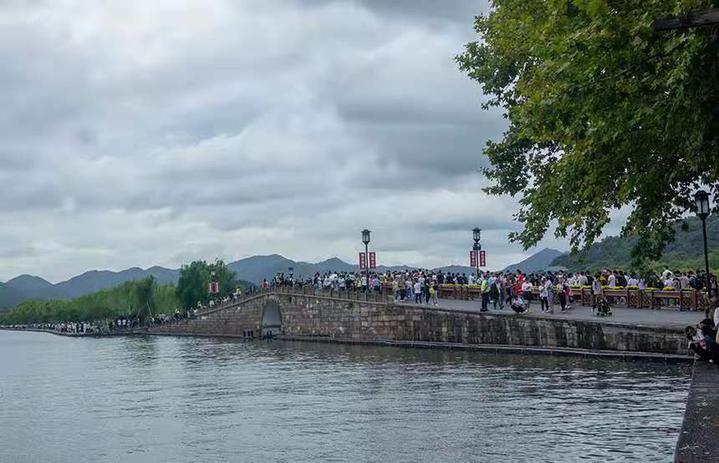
(141, 299)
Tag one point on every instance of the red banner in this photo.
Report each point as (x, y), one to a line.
(213, 288)
(362, 261)
(372, 260)
(482, 258)
(473, 259)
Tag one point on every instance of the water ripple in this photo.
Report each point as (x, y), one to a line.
(190, 399)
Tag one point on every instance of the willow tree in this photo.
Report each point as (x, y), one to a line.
(603, 113)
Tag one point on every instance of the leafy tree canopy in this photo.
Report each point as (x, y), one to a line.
(192, 286)
(603, 112)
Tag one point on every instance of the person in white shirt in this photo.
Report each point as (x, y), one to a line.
(612, 280)
(583, 280)
(527, 292)
(683, 281)
(632, 281)
(417, 292)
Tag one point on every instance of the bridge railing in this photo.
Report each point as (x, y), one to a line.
(299, 291)
(686, 299)
(351, 295)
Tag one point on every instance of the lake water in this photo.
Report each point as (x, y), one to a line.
(157, 399)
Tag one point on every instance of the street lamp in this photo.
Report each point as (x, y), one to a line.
(701, 199)
(214, 286)
(365, 240)
(477, 235)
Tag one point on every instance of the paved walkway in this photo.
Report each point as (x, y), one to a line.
(664, 318)
(699, 437)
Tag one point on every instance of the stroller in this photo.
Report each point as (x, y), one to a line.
(603, 309)
(519, 305)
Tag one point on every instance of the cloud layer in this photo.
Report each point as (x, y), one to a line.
(142, 133)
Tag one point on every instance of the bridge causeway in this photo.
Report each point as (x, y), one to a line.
(306, 313)
(657, 318)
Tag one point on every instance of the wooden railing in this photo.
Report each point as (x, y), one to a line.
(688, 299)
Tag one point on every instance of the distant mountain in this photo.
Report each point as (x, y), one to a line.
(257, 268)
(29, 284)
(685, 253)
(251, 269)
(537, 262)
(95, 280)
(9, 297)
(25, 287)
(461, 269)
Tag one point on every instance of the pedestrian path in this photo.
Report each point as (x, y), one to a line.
(663, 318)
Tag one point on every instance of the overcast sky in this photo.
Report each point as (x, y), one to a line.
(140, 133)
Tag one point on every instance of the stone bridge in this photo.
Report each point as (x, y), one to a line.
(355, 317)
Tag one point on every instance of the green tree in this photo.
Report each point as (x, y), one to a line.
(126, 299)
(224, 276)
(195, 278)
(603, 112)
(192, 285)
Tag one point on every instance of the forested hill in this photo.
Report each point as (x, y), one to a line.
(685, 253)
(124, 299)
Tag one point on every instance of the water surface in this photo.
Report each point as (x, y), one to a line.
(174, 399)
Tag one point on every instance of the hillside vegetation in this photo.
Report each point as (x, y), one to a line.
(685, 253)
(126, 299)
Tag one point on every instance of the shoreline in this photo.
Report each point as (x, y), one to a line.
(489, 348)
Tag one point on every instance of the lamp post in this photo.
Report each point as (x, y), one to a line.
(366, 240)
(477, 235)
(213, 280)
(701, 199)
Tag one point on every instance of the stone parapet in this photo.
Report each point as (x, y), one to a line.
(318, 315)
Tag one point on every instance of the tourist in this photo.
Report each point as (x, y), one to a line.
(484, 290)
(611, 280)
(417, 288)
(544, 294)
(562, 293)
(632, 281)
(702, 343)
(494, 291)
(526, 288)
(509, 292)
(433, 290)
(597, 291)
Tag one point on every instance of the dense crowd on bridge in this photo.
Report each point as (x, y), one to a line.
(497, 289)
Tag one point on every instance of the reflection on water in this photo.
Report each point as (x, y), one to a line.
(192, 399)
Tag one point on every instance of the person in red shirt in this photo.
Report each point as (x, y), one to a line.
(518, 282)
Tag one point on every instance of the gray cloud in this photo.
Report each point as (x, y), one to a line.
(142, 133)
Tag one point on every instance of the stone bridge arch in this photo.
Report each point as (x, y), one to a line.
(271, 320)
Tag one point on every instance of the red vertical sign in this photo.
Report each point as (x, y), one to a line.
(472, 259)
(362, 261)
(214, 287)
(372, 260)
(482, 258)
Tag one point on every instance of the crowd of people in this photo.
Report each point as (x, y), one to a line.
(72, 328)
(552, 290)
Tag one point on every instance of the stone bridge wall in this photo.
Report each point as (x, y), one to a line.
(308, 315)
